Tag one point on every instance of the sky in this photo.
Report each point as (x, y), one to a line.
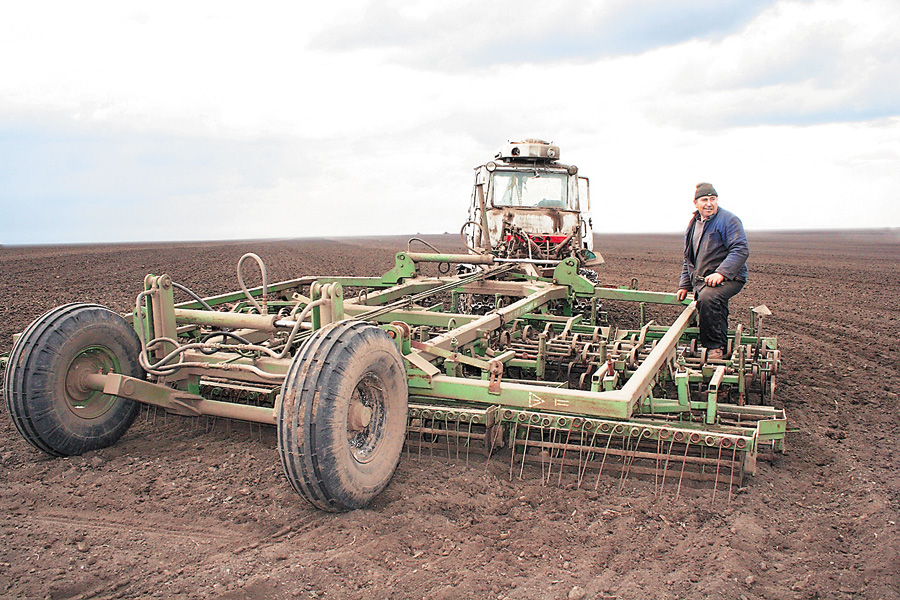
(161, 121)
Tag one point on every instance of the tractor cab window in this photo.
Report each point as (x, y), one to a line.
(530, 189)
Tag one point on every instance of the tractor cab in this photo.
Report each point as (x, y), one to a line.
(527, 205)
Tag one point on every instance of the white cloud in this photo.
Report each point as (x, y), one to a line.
(796, 63)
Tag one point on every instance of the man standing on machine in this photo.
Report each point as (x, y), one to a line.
(715, 266)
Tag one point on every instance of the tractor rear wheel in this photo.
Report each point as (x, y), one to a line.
(342, 417)
(44, 386)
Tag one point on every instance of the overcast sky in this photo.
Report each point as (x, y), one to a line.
(146, 121)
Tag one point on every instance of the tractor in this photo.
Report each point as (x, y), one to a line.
(527, 205)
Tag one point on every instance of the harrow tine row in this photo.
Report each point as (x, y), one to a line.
(585, 456)
(451, 433)
(666, 463)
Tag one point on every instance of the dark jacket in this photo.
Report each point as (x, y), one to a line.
(723, 248)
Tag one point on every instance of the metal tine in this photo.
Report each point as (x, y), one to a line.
(512, 445)
(656, 471)
(544, 454)
(626, 463)
(687, 445)
(587, 458)
(731, 479)
(458, 437)
(552, 452)
(666, 466)
(546, 457)
(456, 440)
(421, 440)
(422, 435)
(626, 449)
(259, 427)
(581, 453)
(718, 465)
(469, 440)
(433, 443)
(409, 437)
(462, 437)
(447, 429)
(524, 450)
(562, 461)
(603, 462)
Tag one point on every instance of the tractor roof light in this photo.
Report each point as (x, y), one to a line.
(531, 150)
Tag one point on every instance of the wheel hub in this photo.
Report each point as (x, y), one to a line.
(365, 418)
(359, 416)
(82, 399)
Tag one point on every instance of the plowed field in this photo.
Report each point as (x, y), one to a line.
(183, 508)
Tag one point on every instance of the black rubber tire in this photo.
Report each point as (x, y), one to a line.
(335, 468)
(52, 416)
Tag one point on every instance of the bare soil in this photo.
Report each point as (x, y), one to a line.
(196, 508)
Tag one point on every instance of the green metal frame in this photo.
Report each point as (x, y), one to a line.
(456, 371)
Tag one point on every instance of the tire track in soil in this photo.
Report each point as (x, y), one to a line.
(210, 539)
(117, 525)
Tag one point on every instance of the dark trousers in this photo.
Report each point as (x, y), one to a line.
(712, 306)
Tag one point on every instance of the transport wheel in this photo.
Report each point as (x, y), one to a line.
(44, 388)
(342, 417)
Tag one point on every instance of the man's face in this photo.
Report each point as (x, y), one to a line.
(707, 205)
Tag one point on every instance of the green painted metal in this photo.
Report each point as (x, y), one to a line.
(472, 259)
(566, 273)
(404, 269)
(427, 317)
(526, 396)
(217, 319)
(629, 295)
(637, 386)
(162, 308)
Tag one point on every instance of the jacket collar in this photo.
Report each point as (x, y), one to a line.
(698, 218)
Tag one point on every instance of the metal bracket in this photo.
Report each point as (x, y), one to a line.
(404, 268)
(712, 396)
(566, 273)
(496, 371)
(176, 401)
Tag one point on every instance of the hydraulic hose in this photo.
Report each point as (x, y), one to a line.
(263, 309)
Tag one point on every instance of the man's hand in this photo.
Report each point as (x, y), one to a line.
(682, 294)
(714, 279)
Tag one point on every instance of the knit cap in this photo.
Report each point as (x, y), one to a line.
(705, 189)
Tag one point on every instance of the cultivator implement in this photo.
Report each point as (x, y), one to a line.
(356, 372)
